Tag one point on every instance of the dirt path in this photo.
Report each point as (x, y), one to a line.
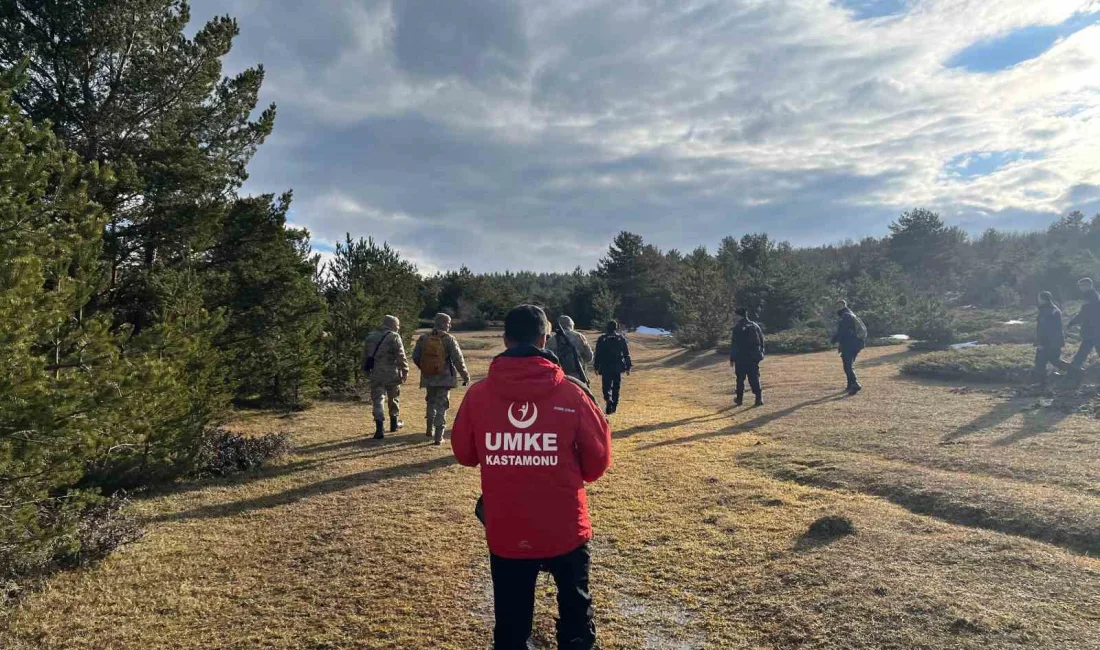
(975, 520)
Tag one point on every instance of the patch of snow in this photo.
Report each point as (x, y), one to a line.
(653, 330)
(968, 344)
(899, 337)
(1015, 322)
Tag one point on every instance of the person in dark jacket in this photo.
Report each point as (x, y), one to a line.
(611, 360)
(746, 353)
(1089, 321)
(850, 339)
(1050, 338)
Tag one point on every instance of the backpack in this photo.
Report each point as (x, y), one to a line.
(564, 342)
(433, 357)
(860, 330)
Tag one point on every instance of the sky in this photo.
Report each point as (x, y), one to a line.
(524, 134)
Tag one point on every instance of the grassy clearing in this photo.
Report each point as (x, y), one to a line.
(703, 528)
(995, 363)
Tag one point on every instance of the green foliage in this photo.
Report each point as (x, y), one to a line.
(364, 282)
(263, 276)
(926, 247)
(641, 276)
(929, 321)
(699, 302)
(995, 363)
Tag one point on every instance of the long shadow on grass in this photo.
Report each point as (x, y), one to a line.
(1037, 421)
(356, 442)
(749, 425)
(329, 486)
(646, 428)
(893, 358)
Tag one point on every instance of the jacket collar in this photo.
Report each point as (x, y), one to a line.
(528, 350)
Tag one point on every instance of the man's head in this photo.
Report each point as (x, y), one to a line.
(391, 323)
(841, 304)
(1045, 298)
(1085, 284)
(442, 322)
(526, 325)
(741, 313)
(565, 323)
(612, 326)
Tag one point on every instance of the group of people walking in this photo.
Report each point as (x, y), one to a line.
(438, 356)
(1050, 335)
(747, 347)
(538, 435)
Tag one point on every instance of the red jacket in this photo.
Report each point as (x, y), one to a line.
(538, 438)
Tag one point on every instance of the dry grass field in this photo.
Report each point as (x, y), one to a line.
(977, 525)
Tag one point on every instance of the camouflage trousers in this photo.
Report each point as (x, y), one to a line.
(439, 400)
(391, 394)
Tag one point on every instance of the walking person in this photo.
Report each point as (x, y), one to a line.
(1089, 321)
(572, 349)
(611, 360)
(538, 437)
(850, 339)
(1050, 338)
(386, 368)
(440, 361)
(746, 353)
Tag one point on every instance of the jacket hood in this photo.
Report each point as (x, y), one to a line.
(845, 310)
(1092, 296)
(525, 373)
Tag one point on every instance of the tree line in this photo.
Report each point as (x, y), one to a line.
(142, 295)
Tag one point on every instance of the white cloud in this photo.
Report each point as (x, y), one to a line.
(565, 122)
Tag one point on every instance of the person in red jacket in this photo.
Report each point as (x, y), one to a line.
(539, 437)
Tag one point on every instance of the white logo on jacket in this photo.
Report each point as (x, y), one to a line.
(520, 422)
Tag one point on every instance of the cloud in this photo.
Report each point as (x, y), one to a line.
(525, 134)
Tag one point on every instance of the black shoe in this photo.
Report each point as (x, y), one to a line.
(759, 401)
(379, 430)
(395, 424)
(854, 389)
(738, 401)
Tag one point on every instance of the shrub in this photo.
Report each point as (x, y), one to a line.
(225, 453)
(930, 322)
(994, 363)
(86, 531)
(1007, 335)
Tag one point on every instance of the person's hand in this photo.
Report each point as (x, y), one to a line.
(465, 381)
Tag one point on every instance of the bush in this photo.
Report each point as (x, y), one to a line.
(799, 341)
(86, 531)
(930, 322)
(1007, 335)
(225, 453)
(994, 363)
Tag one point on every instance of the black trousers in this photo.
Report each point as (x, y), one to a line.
(848, 357)
(1045, 357)
(1087, 346)
(514, 600)
(612, 383)
(747, 370)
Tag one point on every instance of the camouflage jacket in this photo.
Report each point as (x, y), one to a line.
(391, 366)
(455, 363)
(564, 351)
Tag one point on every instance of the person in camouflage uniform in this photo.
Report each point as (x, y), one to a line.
(439, 386)
(572, 349)
(387, 368)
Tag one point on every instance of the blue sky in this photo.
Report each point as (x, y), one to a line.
(525, 134)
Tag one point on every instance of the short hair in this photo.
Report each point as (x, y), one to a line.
(526, 324)
(1046, 296)
(612, 326)
(1085, 283)
(391, 323)
(441, 321)
(565, 322)
(742, 312)
(842, 302)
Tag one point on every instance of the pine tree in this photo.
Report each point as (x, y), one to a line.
(61, 375)
(264, 277)
(701, 310)
(363, 283)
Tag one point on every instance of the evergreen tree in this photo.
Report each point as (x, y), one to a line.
(264, 278)
(61, 376)
(364, 282)
(702, 313)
